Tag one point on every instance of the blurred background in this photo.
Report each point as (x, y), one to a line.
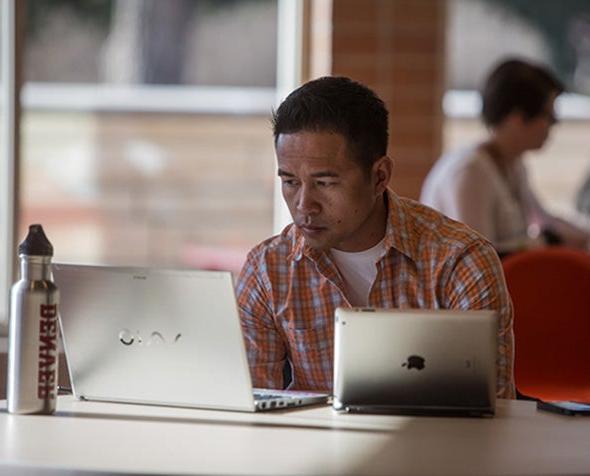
(144, 126)
(145, 134)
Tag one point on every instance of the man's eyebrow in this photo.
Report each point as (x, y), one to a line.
(326, 173)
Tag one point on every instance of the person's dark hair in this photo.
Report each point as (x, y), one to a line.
(515, 85)
(338, 105)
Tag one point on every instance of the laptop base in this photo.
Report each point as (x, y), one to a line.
(268, 399)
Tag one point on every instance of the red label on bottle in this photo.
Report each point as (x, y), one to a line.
(47, 351)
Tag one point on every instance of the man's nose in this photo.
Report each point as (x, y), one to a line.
(307, 201)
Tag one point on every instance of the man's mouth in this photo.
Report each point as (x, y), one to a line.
(311, 228)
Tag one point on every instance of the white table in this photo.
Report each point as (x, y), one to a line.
(118, 438)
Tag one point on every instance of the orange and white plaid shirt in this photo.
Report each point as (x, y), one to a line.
(287, 293)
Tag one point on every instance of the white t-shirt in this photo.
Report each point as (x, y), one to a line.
(358, 271)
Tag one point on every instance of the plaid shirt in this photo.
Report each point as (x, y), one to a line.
(287, 293)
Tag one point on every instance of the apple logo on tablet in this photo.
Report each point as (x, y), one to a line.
(415, 362)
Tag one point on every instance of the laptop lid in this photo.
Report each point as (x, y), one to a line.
(415, 361)
(153, 336)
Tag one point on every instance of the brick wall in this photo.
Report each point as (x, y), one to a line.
(396, 47)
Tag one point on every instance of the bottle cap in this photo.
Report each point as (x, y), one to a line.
(36, 243)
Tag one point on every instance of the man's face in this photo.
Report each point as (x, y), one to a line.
(332, 200)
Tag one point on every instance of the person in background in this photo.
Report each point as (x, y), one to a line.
(353, 242)
(485, 185)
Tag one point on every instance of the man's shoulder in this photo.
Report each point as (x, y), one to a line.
(277, 248)
(436, 232)
(267, 260)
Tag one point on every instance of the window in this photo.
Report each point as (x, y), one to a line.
(145, 134)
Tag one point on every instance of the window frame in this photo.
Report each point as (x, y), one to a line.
(9, 129)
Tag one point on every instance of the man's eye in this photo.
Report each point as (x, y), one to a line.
(323, 183)
(290, 182)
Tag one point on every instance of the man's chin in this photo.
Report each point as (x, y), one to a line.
(318, 243)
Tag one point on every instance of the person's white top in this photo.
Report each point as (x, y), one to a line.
(467, 186)
(358, 271)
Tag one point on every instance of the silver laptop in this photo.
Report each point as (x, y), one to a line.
(415, 361)
(159, 337)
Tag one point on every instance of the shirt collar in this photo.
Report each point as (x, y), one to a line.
(397, 234)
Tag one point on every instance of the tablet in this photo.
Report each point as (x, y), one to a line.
(565, 408)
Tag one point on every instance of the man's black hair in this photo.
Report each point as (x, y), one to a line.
(516, 85)
(339, 105)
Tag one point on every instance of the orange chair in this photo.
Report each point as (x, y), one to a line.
(550, 289)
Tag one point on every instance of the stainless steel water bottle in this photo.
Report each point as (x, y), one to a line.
(33, 329)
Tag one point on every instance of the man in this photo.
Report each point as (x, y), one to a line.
(352, 242)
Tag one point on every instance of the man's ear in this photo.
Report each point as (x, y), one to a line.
(382, 173)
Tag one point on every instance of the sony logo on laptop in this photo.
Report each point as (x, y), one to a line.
(126, 337)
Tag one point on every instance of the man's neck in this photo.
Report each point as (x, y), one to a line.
(375, 226)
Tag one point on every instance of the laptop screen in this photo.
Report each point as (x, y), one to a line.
(153, 336)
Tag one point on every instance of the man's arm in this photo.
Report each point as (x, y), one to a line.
(264, 344)
(476, 281)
